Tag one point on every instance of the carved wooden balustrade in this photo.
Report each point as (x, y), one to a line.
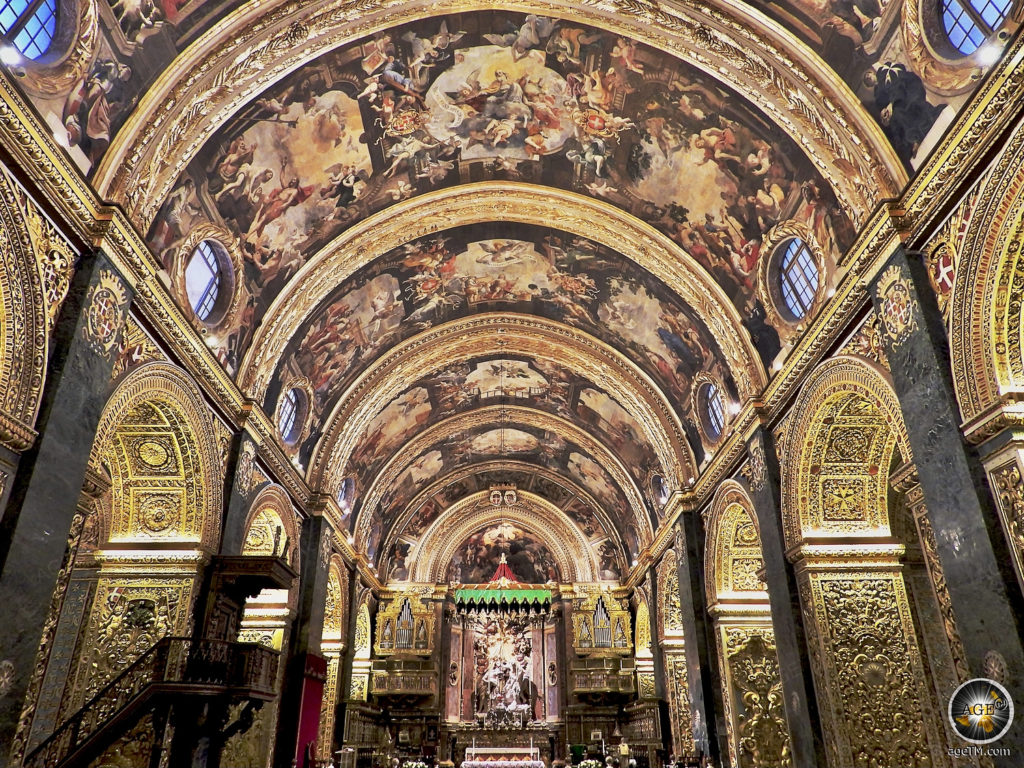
(177, 666)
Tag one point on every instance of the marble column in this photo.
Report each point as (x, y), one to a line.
(974, 553)
(43, 502)
(763, 483)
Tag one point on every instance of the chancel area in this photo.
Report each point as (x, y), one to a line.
(543, 384)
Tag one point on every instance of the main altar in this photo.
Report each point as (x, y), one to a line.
(502, 703)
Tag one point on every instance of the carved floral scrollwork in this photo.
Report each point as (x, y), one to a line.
(1010, 491)
(872, 662)
(762, 733)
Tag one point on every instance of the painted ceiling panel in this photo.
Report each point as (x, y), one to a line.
(494, 96)
(463, 386)
(513, 268)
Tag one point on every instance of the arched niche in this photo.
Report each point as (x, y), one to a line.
(865, 648)
(985, 332)
(738, 603)
(156, 444)
(431, 557)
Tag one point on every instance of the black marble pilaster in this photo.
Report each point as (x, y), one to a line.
(700, 661)
(45, 489)
(806, 746)
(237, 477)
(306, 632)
(987, 603)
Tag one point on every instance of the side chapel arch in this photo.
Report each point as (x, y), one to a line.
(156, 443)
(844, 431)
(985, 333)
(23, 323)
(738, 603)
(430, 557)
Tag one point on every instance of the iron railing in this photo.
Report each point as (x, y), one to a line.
(174, 664)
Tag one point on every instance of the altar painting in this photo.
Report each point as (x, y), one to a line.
(478, 557)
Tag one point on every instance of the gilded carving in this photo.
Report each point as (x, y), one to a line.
(104, 312)
(6, 676)
(863, 626)
(762, 735)
(23, 329)
(755, 470)
(896, 307)
(867, 341)
(985, 340)
(820, 491)
(1009, 487)
(127, 618)
(54, 255)
(135, 348)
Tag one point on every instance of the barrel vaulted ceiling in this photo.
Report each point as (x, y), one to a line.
(495, 244)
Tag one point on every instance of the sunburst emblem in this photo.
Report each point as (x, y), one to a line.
(981, 711)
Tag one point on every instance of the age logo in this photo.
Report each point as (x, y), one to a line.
(981, 711)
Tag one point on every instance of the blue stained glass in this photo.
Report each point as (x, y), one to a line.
(34, 25)
(967, 31)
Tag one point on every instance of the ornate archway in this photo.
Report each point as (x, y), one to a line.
(738, 603)
(841, 441)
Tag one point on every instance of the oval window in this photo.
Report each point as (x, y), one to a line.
(798, 278)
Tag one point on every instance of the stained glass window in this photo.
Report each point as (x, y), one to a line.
(29, 25)
(969, 23)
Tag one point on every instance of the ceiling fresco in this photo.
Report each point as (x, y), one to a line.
(495, 95)
(860, 40)
(512, 442)
(463, 386)
(135, 41)
(561, 492)
(578, 508)
(488, 267)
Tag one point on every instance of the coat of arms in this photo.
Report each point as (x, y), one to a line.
(896, 305)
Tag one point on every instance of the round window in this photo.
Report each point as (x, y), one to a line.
(28, 25)
(289, 421)
(798, 278)
(969, 23)
(205, 276)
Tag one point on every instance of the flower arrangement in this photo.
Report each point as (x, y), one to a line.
(414, 764)
(590, 764)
